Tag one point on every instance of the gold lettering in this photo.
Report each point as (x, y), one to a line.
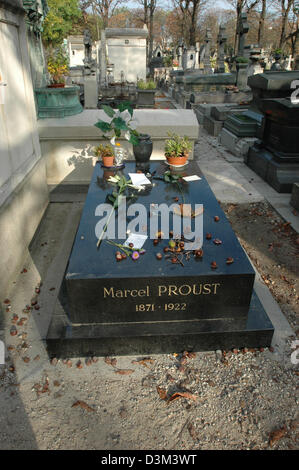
(207, 288)
(188, 289)
(172, 290)
(108, 292)
(215, 288)
(194, 289)
(119, 293)
(134, 294)
(162, 290)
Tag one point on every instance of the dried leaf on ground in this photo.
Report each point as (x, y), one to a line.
(162, 393)
(276, 435)
(124, 371)
(111, 361)
(178, 395)
(144, 362)
(83, 405)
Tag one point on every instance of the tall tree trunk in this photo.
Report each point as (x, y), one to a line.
(285, 10)
(260, 36)
(239, 9)
(295, 51)
(152, 7)
(194, 17)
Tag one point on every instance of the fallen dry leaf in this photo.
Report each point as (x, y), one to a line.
(110, 361)
(144, 362)
(83, 405)
(124, 371)
(178, 395)
(162, 393)
(277, 435)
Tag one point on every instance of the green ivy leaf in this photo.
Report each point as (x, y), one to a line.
(104, 126)
(120, 124)
(108, 110)
(126, 105)
(111, 198)
(166, 178)
(134, 139)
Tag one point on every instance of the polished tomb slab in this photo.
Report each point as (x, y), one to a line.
(152, 305)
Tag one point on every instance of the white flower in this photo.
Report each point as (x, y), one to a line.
(113, 179)
(139, 188)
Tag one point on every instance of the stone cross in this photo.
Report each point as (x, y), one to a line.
(242, 30)
(180, 54)
(221, 40)
(206, 60)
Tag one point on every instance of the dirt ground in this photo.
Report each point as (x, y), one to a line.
(273, 247)
(215, 400)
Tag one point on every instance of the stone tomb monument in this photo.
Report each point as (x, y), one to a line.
(276, 157)
(150, 305)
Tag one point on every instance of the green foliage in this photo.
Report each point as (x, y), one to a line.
(59, 20)
(242, 60)
(167, 61)
(103, 151)
(58, 65)
(119, 122)
(143, 85)
(177, 146)
(170, 178)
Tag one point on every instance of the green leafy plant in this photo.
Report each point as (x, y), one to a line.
(242, 60)
(146, 85)
(58, 66)
(121, 121)
(167, 61)
(103, 151)
(177, 146)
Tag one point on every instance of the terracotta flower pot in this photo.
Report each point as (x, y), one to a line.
(108, 161)
(56, 85)
(175, 161)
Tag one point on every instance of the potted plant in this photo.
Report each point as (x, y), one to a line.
(105, 152)
(146, 92)
(177, 149)
(58, 69)
(241, 62)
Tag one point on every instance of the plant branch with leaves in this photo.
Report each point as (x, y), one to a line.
(121, 121)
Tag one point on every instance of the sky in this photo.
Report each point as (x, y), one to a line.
(220, 3)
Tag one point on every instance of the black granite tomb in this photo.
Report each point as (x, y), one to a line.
(150, 305)
(276, 157)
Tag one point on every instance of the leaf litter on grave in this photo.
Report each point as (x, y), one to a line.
(175, 396)
(83, 405)
(124, 371)
(144, 362)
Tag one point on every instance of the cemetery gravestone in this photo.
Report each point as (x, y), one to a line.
(276, 157)
(221, 40)
(151, 305)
